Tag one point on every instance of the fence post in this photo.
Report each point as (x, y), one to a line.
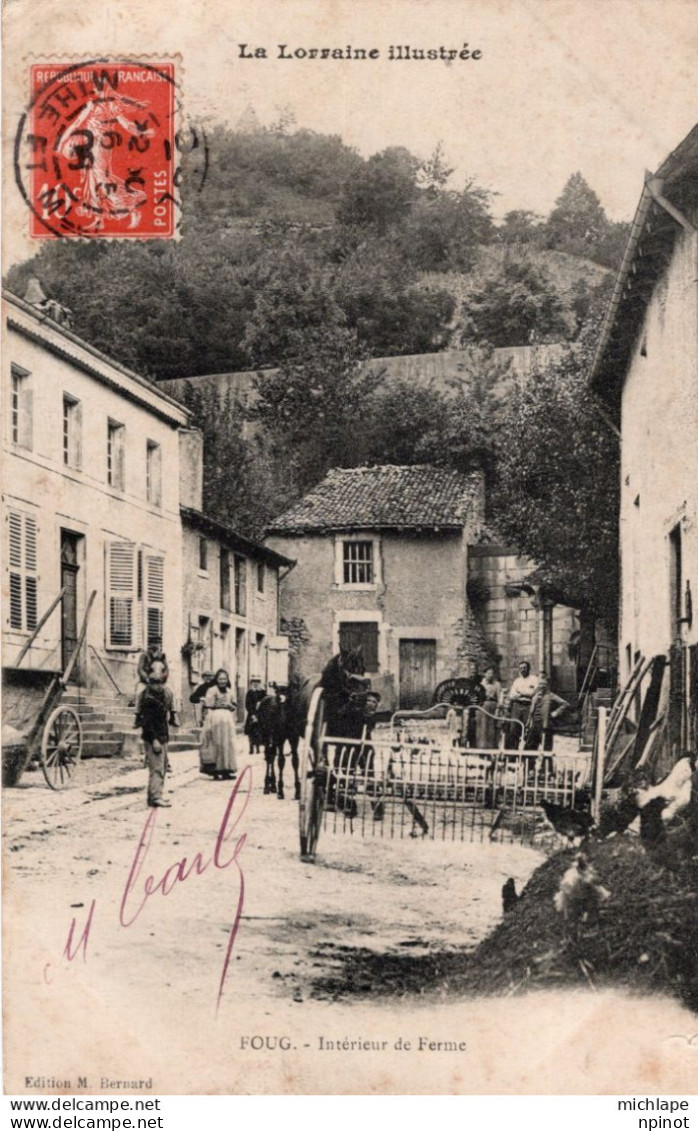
(600, 761)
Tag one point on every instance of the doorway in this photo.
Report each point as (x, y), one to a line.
(71, 556)
(240, 670)
(417, 673)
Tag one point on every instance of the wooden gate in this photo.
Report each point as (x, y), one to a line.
(417, 673)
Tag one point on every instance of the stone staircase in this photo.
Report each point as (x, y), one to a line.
(107, 725)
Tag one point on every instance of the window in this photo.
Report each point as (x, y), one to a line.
(260, 577)
(155, 596)
(203, 555)
(363, 635)
(153, 474)
(122, 594)
(225, 579)
(260, 666)
(21, 408)
(72, 432)
(135, 595)
(23, 571)
(675, 580)
(240, 573)
(115, 455)
(358, 563)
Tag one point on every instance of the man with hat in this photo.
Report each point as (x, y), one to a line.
(153, 654)
(156, 711)
(255, 694)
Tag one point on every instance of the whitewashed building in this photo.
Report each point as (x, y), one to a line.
(91, 502)
(646, 372)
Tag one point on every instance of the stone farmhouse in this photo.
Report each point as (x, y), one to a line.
(396, 560)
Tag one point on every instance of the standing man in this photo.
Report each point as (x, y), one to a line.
(153, 654)
(253, 698)
(545, 706)
(521, 693)
(156, 711)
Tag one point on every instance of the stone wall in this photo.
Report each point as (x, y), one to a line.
(511, 620)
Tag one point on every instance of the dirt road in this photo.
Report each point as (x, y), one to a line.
(209, 976)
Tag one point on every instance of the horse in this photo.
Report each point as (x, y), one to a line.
(350, 711)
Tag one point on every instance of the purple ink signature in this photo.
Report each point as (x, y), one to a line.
(137, 891)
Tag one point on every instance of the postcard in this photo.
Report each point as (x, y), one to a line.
(350, 670)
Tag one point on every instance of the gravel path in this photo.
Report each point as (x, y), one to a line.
(141, 1000)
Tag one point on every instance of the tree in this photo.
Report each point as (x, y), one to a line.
(232, 490)
(558, 483)
(382, 302)
(475, 412)
(381, 192)
(402, 421)
(577, 215)
(521, 227)
(443, 230)
(434, 174)
(516, 306)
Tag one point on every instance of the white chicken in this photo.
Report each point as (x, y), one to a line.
(580, 894)
(675, 789)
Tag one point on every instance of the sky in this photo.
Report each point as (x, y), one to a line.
(605, 87)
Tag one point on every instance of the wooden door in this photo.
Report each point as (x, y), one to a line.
(70, 568)
(417, 673)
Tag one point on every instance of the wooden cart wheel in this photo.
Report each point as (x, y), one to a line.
(61, 746)
(313, 781)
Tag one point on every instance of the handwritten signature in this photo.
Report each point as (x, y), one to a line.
(138, 891)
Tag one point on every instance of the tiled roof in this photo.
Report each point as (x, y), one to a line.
(384, 497)
(229, 537)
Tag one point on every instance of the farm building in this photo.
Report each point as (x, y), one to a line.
(394, 559)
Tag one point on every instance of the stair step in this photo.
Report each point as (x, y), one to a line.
(105, 748)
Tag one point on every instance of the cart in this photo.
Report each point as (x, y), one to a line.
(416, 777)
(51, 732)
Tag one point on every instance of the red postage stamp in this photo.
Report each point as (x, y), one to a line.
(95, 153)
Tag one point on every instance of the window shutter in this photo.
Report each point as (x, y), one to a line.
(121, 592)
(15, 521)
(75, 436)
(243, 586)
(154, 473)
(23, 565)
(26, 415)
(30, 564)
(195, 657)
(119, 473)
(155, 596)
(15, 601)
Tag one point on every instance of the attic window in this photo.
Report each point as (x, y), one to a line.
(358, 563)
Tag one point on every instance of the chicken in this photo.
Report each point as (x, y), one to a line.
(509, 896)
(667, 848)
(675, 789)
(580, 894)
(616, 819)
(572, 824)
(652, 831)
